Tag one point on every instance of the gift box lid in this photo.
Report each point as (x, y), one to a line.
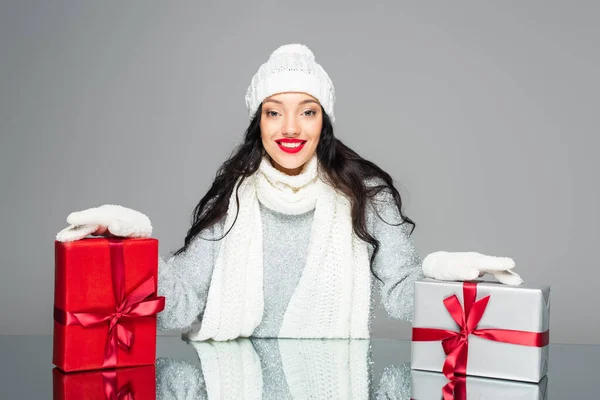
(530, 303)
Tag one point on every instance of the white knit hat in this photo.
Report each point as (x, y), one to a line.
(291, 68)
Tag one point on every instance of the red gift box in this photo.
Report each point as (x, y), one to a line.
(105, 303)
(137, 383)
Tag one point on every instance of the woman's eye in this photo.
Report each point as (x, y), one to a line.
(271, 113)
(310, 111)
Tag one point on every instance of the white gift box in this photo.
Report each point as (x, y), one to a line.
(524, 309)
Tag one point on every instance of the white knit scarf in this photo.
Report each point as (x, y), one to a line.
(333, 295)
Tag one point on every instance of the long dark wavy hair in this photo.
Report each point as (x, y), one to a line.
(344, 169)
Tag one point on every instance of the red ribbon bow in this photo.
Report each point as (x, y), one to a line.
(141, 302)
(456, 344)
(110, 387)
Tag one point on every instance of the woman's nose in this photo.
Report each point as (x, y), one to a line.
(290, 126)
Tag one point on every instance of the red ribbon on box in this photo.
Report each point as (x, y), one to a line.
(111, 388)
(141, 302)
(456, 344)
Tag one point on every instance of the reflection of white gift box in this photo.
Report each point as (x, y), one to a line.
(428, 386)
(505, 333)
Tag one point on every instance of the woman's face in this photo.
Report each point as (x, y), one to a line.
(290, 127)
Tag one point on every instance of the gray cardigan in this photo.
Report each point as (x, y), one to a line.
(184, 279)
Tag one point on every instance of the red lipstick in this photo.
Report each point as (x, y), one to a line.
(297, 145)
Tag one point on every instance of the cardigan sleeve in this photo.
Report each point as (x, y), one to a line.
(184, 280)
(397, 262)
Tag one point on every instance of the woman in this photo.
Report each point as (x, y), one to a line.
(294, 230)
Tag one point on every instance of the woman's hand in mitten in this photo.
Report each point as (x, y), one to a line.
(466, 266)
(106, 220)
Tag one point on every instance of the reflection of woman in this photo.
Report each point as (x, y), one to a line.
(294, 229)
(277, 369)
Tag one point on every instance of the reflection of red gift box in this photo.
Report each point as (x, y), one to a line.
(137, 383)
(105, 303)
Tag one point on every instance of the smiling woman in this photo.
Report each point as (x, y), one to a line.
(307, 224)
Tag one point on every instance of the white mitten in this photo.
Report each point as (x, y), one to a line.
(120, 221)
(466, 266)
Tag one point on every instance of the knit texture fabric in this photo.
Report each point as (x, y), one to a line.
(326, 369)
(333, 295)
(315, 369)
(291, 68)
(231, 370)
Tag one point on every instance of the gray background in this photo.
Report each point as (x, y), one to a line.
(485, 114)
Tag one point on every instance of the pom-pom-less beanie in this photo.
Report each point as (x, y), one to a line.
(291, 68)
